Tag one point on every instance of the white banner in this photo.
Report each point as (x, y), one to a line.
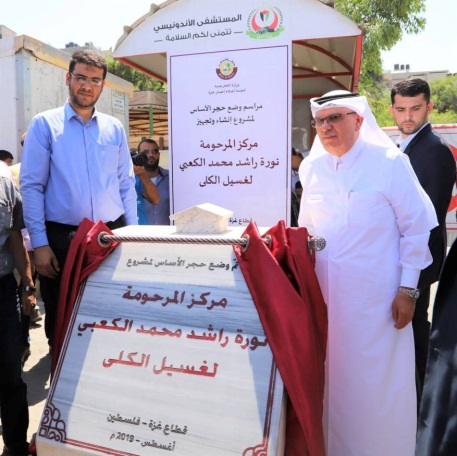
(230, 132)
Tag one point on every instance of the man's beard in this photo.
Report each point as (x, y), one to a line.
(152, 166)
(410, 130)
(78, 100)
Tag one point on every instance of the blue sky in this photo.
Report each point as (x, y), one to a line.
(58, 22)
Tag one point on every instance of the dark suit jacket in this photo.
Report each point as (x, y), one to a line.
(435, 168)
(437, 427)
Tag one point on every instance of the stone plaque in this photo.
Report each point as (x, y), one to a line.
(165, 353)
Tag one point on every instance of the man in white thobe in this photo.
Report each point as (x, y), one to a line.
(361, 194)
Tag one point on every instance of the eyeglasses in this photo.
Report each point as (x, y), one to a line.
(150, 151)
(333, 119)
(80, 79)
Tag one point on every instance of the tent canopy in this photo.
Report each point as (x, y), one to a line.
(326, 49)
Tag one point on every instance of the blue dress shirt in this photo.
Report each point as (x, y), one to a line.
(141, 209)
(71, 170)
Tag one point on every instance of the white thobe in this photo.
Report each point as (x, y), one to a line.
(376, 220)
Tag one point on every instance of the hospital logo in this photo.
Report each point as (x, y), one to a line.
(227, 69)
(265, 23)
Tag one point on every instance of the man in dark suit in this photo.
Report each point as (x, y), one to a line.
(435, 168)
(437, 426)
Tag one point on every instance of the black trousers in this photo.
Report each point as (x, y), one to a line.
(26, 323)
(13, 391)
(59, 238)
(421, 330)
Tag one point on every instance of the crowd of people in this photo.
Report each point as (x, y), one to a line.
(380, 208)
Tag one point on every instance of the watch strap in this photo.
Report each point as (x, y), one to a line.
(29, 289)
(413, 293)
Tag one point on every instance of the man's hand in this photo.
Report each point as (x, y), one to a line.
(151, 192)
(402, 310)
(139, 170)
(46, 262)
(28, 301)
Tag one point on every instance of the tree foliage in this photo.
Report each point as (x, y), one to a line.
(445, 94)
(380, 106)
(141, 81)
(384, 22)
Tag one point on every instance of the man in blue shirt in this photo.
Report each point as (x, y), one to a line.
(157, 213)
(76, 164)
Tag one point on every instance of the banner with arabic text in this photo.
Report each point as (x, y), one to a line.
(230, 132)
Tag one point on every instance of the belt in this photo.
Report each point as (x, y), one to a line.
(70, 230)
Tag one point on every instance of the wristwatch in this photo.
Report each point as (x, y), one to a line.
(29, 289)
(413, 293)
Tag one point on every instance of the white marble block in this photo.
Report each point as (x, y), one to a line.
(204, 218)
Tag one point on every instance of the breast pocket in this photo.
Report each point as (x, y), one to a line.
(368, 209)
(110, 157)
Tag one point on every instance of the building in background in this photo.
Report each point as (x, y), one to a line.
(403, 71)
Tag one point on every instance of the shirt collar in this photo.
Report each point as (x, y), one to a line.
(403, 143)
(350, 156)
(70, 112)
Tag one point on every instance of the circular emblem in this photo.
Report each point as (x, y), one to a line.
(227, 69)
(265, 23)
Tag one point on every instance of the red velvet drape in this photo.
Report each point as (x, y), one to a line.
(292, 310)
(84, 257)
